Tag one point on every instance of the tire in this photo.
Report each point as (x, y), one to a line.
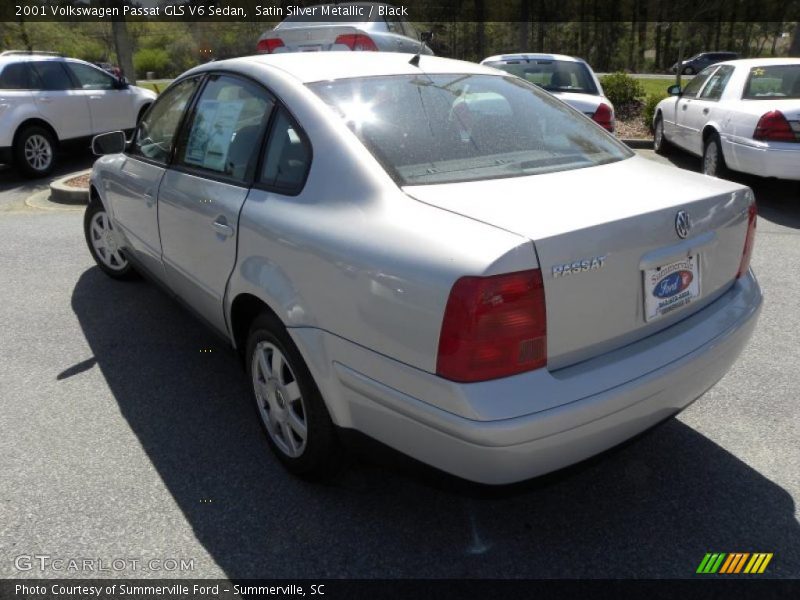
(713, 160)
(688, 71)
(660, 143)
(288, 403)
(35, 151)
(103, 245)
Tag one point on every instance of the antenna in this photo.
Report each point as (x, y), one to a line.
(425, 36)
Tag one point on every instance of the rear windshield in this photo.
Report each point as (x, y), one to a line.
(448, 128)
(345, 13)
(776, 81)
(552, 75)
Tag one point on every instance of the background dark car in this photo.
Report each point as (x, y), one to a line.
(700, 61)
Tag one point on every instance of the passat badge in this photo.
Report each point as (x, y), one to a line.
(682, 224)
(579, 266)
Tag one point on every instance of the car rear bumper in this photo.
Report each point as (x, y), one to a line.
(765, 160)
(501, 451)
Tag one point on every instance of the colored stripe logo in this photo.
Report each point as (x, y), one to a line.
(734, 563)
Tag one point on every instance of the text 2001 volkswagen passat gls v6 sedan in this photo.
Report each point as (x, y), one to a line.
(441, 256)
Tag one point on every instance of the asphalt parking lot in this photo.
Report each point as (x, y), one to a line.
(122, 438)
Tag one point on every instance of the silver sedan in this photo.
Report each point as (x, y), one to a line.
(436, 254)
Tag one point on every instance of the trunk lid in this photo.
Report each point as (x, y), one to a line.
(611, 227)
(314, 38)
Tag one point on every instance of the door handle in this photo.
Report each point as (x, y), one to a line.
(684, 106)
(45, 100)
(705, 111)
(222, 228)
(149, 198)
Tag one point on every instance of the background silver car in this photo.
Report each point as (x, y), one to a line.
(441, 256)
(378, 30)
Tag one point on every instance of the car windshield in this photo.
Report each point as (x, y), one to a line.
(775, 81)
(448, 128)
(552, 75)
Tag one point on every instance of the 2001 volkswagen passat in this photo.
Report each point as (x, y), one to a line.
(438, 255)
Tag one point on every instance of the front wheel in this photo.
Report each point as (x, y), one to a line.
(660, 143)
(34, 151)
(289, 405)
(713, 160)
(101, 237)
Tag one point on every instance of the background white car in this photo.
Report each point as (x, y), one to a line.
(47, 100)
(742, 115)
(568, 78)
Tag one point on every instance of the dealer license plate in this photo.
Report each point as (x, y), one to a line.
(671, 287)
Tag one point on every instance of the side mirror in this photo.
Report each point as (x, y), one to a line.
(121, 83)
(426, 37)
(674, 90)
(109, 143)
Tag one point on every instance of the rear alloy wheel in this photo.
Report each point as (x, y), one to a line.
(101, 237)
(289, 405)
(713, 160)
(34, 151)
(688, 71)
(660, 144)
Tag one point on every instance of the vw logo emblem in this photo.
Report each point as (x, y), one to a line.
(682, 224)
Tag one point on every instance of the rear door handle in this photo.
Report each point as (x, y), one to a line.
(46, 100)
(149, 198)
(221, 227)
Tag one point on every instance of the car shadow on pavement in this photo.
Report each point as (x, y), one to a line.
(651, 508)
(778, 200)
(75, 160)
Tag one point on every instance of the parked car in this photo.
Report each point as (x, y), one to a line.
(497, 290)
(569, 79)
(700, 61)
(377, 30)
(742, 115)
(47, 101)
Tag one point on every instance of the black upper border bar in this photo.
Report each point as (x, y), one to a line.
(432, 11)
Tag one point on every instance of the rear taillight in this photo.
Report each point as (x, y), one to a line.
(773, 127)
(749, 240)
(493, 327)
(357, 41)
(268, 45)
(604, 116)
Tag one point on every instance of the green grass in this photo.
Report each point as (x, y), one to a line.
(657, 87)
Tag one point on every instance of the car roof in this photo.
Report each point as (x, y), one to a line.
(307, 67)
(532, 56)
(760, 62)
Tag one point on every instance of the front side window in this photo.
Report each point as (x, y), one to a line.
(52, 76)
(716, 83)
(447, 128)
(155, 136)
(552, 75)
(226, 128)
(774, 81)
(16, 76)
(694, 86)
(288, 155)
(90, 78)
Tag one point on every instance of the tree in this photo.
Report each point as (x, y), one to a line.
(794, 48)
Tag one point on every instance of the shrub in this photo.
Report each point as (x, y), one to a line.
(622, 89)
(650, 109)
(150, 59)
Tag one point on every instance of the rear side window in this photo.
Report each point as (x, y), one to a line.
(288, 156)
(156, 133)
(16, 76)
(227, 127)
(53, 77)
(447, 128)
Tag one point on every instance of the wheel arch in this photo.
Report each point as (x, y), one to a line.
(245, 307)
(38, 122)
(709, 130)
